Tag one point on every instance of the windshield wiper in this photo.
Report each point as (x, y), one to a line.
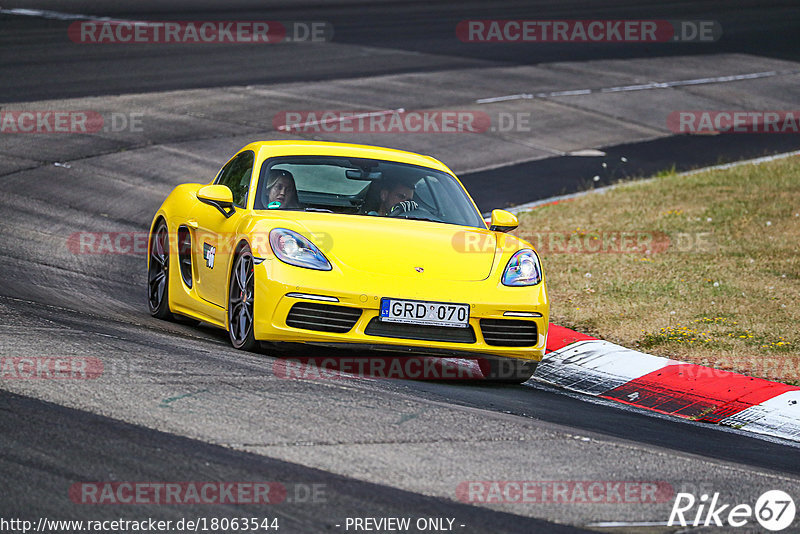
(323, 210)
(421, 219)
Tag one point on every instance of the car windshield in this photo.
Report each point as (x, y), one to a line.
(366, 187)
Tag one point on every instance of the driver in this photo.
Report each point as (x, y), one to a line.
(396, 195)
(282, 192)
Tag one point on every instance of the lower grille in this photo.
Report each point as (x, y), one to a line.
(509, 332)
(376, 327)
(323, 317)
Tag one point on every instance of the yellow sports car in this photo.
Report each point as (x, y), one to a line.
(349, 245)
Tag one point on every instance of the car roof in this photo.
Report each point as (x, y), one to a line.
(324, 148)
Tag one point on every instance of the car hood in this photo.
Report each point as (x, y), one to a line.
(401, 247)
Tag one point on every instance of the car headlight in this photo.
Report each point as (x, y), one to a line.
(523, 269)
(294, 249)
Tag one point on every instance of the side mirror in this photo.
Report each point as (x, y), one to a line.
(503, 221)
(219, 196)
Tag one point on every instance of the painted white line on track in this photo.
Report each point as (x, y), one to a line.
(641, 86)
(537, 203)
(57, 15)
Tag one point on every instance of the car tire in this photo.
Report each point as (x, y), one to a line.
(507, 370)
(158, 272)
(240, 301)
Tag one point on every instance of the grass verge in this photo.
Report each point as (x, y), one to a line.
(702, 268)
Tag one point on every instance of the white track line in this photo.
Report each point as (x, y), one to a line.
(532, 205)
(642, 86)
(56, 15)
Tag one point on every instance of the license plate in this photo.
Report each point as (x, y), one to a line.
(425, 313)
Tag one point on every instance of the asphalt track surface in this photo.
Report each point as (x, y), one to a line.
(90, 446)
(560, 175)
(42, 65)
(176, 403)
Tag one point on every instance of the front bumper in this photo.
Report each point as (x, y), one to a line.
(361, 296)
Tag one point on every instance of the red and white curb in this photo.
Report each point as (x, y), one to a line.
(594, 367)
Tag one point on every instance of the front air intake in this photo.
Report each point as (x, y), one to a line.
(323, 317)
(509, 332)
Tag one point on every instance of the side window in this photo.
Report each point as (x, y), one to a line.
(422, 193)
(236, 175)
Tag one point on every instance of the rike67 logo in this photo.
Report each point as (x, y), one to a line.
(774, 510)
